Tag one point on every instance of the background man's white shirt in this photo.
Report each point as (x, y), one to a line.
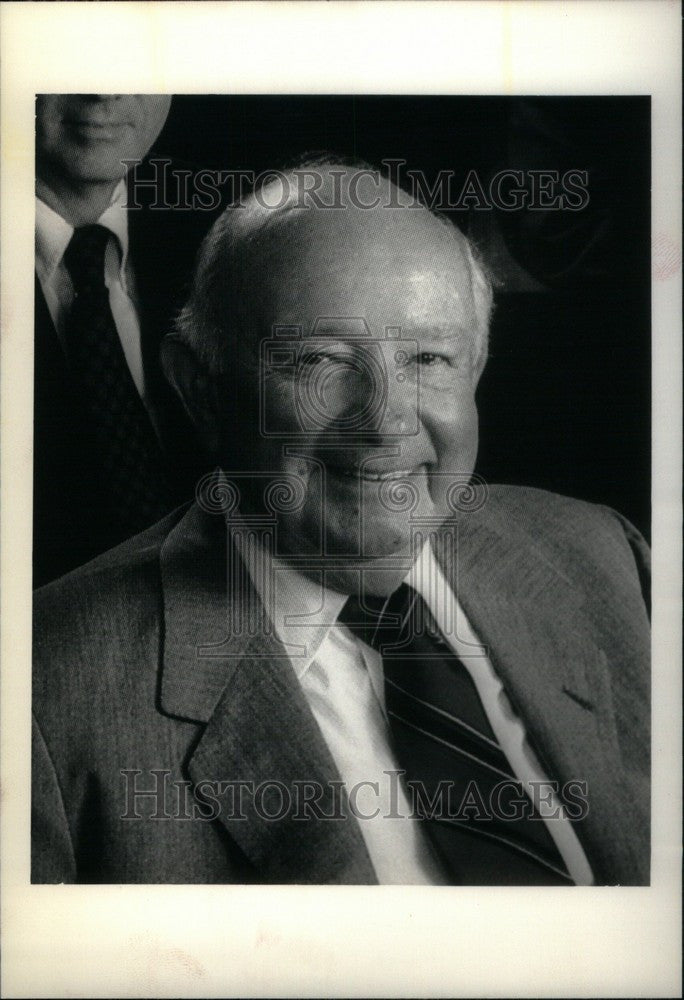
(53, 234)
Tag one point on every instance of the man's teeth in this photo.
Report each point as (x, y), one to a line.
(356, 473)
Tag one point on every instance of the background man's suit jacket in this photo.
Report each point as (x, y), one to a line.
(132, 671)
(70, 525)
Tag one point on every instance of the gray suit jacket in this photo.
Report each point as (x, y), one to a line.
(137, 686)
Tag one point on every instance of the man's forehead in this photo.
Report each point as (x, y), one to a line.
(356, 253)
(411, 231)
(357, 330)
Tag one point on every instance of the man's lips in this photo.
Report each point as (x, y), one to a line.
(91, 128)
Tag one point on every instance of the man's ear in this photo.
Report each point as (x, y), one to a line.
(197, 389)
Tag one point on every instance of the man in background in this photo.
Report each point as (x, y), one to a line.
(108, 281)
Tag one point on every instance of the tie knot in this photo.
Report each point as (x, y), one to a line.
(84, 257)
(381, 621)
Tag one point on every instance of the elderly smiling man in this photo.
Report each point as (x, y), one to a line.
(348, 661)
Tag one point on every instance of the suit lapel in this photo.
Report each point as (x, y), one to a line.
(262, 732)
(223, 668)
(543, 647)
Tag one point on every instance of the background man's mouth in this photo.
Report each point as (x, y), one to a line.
(97, 130)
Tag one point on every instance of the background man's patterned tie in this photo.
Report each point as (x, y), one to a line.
(126, 447)
(441, 734)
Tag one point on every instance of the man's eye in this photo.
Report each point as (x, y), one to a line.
(428, 359)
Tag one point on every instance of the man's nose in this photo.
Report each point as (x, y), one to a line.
(100, 98)
(395, 394)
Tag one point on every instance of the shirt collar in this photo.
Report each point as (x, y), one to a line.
(52, 238)
(302, 610)
(53, 233)
(115, 218)
(427, 578)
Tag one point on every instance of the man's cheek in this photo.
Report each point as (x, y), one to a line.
(279, 407)
(453, 428)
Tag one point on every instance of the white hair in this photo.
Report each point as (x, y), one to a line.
(220, 308)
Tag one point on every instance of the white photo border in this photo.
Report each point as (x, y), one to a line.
(156, 941)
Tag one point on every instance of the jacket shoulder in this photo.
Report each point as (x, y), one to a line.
(107, 611)
(527, 501)
(108, 576)
(540, 510)
(583, 540)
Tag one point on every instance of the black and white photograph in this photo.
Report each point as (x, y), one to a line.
(345, 470)
(293, 624)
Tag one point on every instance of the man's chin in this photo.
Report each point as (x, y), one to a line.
(377, 578)
(379, 571)
(99, 170)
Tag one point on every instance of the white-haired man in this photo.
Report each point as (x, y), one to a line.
(348, 662)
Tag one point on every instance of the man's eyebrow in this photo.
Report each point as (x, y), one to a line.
(411, 331)
(447, 332)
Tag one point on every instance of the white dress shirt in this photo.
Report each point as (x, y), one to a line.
(53, 234)
(342, 678)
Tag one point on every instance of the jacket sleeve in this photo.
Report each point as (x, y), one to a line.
(52, 853)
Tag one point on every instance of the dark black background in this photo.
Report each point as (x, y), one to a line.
(565, 399)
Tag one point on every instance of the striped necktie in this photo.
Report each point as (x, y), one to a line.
(127, 454)
(472, 805)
